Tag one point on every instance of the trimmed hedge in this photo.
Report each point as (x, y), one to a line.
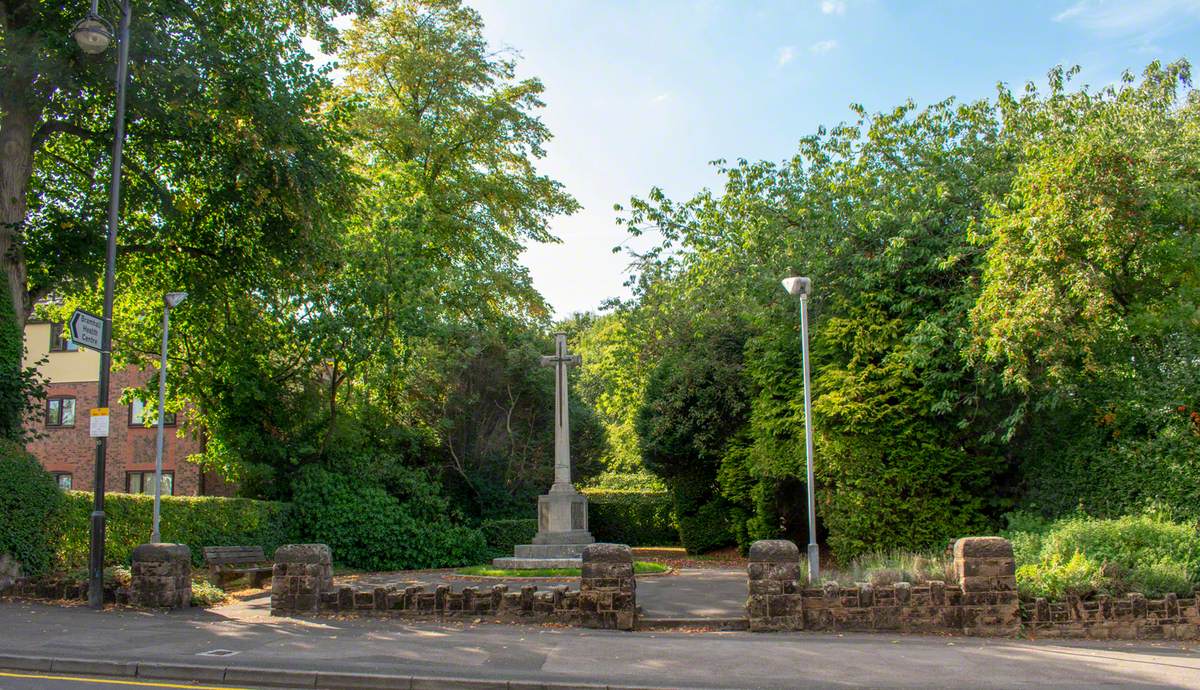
(503, 535)
(197, 521)
(30, 501)
(635, 518)
(369, 528)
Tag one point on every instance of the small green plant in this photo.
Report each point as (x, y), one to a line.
(206, 594)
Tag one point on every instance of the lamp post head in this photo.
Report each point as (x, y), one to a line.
(93, 34)
(798, 286)
(172, 299)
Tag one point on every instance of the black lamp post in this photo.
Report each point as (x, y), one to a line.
(94, 35)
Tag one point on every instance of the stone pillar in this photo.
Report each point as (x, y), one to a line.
(775, 599)
(303, 572)
(987, 574)
(608, 588)
(161, 576)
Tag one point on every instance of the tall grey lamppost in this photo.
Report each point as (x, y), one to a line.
(94, 35)
(170, 301)
(801, 287)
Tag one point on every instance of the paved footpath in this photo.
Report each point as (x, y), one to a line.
(519, 656)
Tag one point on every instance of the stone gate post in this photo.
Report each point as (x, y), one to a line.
(161, 576)
(302, 573)
(775, 599)
(987, 573)
(608, 588)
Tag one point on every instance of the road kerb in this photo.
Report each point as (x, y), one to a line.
(194, 672)
(95, 667)
(269, 676)
(26, 663)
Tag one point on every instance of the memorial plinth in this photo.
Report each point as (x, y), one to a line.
(562, 512)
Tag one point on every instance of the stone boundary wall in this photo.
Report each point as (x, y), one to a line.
(302, 583)
(554, 605)
(984, 602)
(1132, 617)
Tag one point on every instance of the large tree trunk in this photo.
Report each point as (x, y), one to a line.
(16, 167)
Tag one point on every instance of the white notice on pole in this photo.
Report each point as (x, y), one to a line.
(99, 428)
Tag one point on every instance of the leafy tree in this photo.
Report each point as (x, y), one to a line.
(1089, 294)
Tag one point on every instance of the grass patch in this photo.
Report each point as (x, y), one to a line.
(639, 568)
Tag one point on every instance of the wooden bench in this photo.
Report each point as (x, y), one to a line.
(227, 563)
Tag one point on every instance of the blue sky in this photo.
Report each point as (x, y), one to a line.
(647, 93)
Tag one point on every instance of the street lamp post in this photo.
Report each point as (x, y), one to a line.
(801, 287)
(170, 301)
(93, 35)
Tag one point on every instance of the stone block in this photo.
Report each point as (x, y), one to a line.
(774, 551)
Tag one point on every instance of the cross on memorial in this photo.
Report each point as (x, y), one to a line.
(561, 360)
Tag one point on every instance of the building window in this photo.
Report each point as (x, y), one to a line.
(60, 412)
(64, 480)
(60, 341)
(138, 412)
(143, 482)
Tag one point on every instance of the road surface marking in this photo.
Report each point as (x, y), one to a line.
(139, 683)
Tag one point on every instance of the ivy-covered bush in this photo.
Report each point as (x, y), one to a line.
(636, 518)
(1083, 556)
(30, 504)
(502, 535)
(368, 527)
(197, 521)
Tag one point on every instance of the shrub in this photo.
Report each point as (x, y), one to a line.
(707, 529)
(369, 528)
(30, 503)
(197, 521)
(635, 518)
(1079, 555)
(206, 594)
(1054, 578)
(502, 535)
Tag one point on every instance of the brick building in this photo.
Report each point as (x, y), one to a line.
(66, 448)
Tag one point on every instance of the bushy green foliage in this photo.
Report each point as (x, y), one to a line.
(369, 527)
(636, 518)
(206, 594)
(197, 521)
(1055, 577)
(502, 535)
(1081, 555)
(30, 509)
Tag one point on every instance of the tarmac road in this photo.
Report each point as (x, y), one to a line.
(525, 656)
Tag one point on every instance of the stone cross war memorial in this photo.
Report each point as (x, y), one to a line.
(562, 512)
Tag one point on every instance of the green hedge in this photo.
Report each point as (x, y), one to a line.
(503, 535)
(197, 521)
(369, 528)
(30, 502)
(636, 518)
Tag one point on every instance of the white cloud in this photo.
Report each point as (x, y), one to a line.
(1147, 17)
(786, 55)
(662, 97)
(833, 7)
(821, 47)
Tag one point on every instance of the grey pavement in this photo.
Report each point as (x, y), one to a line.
(546, 654)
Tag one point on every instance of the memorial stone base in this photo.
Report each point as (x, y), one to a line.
(562, 533)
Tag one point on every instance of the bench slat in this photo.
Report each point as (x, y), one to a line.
(230, 555)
